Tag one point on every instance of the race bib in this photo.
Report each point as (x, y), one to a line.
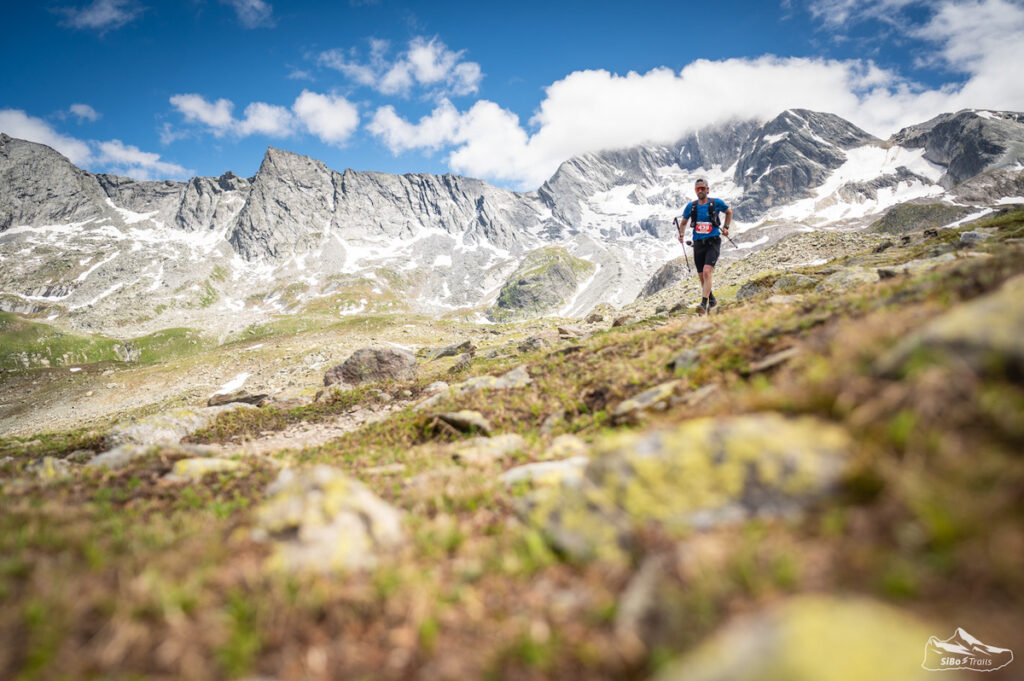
(703, 228)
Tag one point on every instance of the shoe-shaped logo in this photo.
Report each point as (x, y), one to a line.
(963, 651)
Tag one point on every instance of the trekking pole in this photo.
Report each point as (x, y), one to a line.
(730, 240)
(675, 221)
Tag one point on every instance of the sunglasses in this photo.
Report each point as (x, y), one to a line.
(701, 189)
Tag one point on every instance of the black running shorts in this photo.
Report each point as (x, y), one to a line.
(706, 251)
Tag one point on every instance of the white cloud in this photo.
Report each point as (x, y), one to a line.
(432, 132)
(17, 123)
(84, 112)
(426, 63)
(266, 119)
(101, 15)
(252, 13)
(594, 110)
(109, 156)
(126, 159)
(216, 115)
(331, 118)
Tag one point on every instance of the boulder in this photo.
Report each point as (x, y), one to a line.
(320, 520)
(700, 474)
(166, 428)
(190, 470)
(788, 283)
(481, 451)
(847, 278)
(987, 333)
(812, 638)
(373, 364)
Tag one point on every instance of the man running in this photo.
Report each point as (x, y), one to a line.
(703, 214)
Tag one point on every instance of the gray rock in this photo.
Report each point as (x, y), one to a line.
(241, 396)
(463, 421)
(972, 238)
(373, 364)
(987, 333)
(968, 142)
(481, 451)
(320, 520)
(167, 428)
(670, 274)
(655, 398)
(701, 474)
(750, 289)
(866, 640)
(789, 283)
(564, 472)
(462, 363)
(465, 347)
(191, 470)
(847, 278)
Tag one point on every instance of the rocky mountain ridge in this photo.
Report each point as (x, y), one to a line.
(228, 252)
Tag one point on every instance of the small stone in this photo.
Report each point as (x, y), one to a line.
(622, 321)
(190, 470)
(465, 421)
(684, 360)
(241, 397)
(648, 399)
(485, 450)
(320, 520)
(465, 347)
(568, 472)
(773, 360)
(594, 318)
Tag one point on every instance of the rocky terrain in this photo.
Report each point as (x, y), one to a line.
(821, 478)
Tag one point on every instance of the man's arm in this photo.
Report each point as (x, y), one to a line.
(728, 221)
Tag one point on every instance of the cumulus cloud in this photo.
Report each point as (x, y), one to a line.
(126, 159)
(594, 110)
(215, 115)
(106, 156)
(101, 15)
(84, 112)
(428, 64)
(261, 118)
(330, 117)
(253, 13)
(17, 123)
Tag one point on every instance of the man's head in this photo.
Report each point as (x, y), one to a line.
(701, 187)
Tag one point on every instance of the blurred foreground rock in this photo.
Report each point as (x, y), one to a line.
(321, 520)
(700, 474)
(813, 638)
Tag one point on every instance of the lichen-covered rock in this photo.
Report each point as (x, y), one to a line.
(373, 364)
(50, 468)
(813, 638)
(847, 278)
(484, 450)
(188, 470)
(697, 475)
(321, 520)
(788, 283)
(464, 421)
(654, 398)
(917, 266)
(987, 333)
(563, 472)
(166, 427)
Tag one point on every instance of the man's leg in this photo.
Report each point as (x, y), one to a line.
(705, 280)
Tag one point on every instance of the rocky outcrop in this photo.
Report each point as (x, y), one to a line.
(913, 217)
(701, 474)
(42, 187)
(670, 274)
(790, 155)
(968, 142)
(547, 279)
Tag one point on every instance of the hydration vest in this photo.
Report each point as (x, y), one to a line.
(712, 214)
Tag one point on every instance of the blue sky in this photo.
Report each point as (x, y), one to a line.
(162, 89)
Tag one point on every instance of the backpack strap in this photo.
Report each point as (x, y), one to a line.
(713, 211)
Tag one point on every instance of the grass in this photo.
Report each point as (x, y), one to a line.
(927, 516)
